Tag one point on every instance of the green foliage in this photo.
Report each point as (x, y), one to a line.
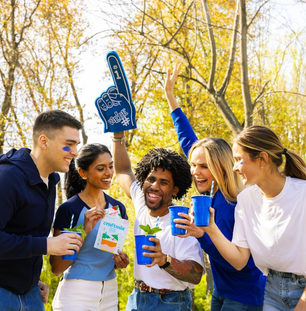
(148, 230)
(201, 300)
(50, 279)
(79, 229)
(125, 277)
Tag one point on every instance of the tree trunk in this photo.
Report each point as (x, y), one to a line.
(209, 277)
(248, 107)
(6, 105)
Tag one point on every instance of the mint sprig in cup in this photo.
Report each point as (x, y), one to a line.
(148, 230)
(77, 229)
(80, 231)
(143, 239)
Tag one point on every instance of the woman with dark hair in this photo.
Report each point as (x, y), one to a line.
(89, 282)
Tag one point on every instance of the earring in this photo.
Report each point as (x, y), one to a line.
(262, 166)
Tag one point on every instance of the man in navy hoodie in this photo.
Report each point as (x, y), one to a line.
(27, 191)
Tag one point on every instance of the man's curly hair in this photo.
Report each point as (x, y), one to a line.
(167, 160)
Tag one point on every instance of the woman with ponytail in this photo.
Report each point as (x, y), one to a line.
(89, 282)
(270, 217)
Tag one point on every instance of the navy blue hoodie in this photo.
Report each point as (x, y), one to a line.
(26, 215)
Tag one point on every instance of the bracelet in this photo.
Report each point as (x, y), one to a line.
(121, 139)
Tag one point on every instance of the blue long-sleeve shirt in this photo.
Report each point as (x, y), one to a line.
(245, 286)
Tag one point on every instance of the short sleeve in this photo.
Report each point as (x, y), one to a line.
(62, 218)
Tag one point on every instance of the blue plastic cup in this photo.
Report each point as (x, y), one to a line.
(201, 205)
(173, 215)
(141, 240)
(70, 257)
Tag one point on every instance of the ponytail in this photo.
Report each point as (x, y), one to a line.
(74, 183)
(295, 166)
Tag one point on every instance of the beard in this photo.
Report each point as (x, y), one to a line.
(155, 207)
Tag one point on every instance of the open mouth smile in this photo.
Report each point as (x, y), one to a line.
(153, 197)
(68, 160)
(107, 180)
(201, 182)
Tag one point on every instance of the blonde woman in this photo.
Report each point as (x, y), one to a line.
(211, 159)
(270, 217)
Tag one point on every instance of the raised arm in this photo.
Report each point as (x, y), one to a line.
(169, 87)
(122, 163)
(184, 131)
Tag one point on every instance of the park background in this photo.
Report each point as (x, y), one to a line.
(243, 63)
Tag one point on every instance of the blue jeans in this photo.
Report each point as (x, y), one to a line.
(170, 301)
(283, 291)
(31, 301)
(219, 303)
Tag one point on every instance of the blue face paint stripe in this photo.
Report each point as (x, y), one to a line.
(66, 148)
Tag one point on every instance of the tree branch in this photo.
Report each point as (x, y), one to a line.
(179, 28)
(212, 45)
(287, 92)
(261, 93)
(29, 23)
(143, 17)
(256, 13)
(196, 33)
(231, 62)
(245, 86)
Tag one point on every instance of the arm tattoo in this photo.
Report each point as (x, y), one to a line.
(185, 270)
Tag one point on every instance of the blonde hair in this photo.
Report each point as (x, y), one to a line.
(256, 139)
(220, 162)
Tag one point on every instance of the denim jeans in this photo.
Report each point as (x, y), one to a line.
(31, 301)
(283, 291)
(219, 303)
(170, 301)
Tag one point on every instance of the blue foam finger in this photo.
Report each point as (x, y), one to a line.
(118, 74)
(120, 81)
(115, 106)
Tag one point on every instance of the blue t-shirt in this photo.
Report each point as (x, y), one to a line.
(246, 286)
(91, 263)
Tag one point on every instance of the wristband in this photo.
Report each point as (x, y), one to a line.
(121, 139)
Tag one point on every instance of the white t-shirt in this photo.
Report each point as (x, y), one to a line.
(274, 229)
(179, 248)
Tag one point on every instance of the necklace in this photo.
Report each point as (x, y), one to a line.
(93, 203)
